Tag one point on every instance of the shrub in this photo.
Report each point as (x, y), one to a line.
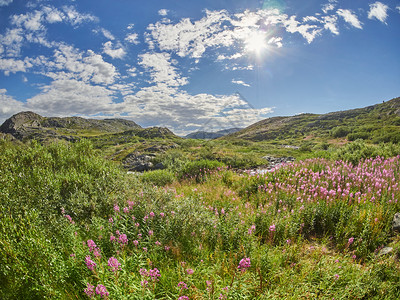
(158, 177)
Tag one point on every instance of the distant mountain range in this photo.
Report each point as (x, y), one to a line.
(378, 123)
(211, 135)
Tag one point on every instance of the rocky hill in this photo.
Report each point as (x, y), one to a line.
(29, 125)
(378, 123)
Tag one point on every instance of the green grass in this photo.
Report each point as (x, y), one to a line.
(56, 199)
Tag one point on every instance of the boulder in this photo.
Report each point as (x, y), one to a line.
(396, 223)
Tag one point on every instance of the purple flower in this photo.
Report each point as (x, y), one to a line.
(136, 242)
(126, 210)
(69, 219)
(123, 239)
(337, 276)
(190, 271)
(116, 208)
(92, 245)
(114, 264)
(96, 252)
(244, 264)
(90, 263)
(102, 291)
(183, 298)
(272, 228)
(351, 240)
(182, 285)
(151, 232)
(89, 291)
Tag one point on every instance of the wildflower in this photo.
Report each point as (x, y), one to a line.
(126, 210)
(116, 208)
(272, 228)
(182, 285)
(90, 263)
(150, 232)
(162, 215)
(158, 243)
(154, 274)
(183, 298)
(69, 219)
(89, 291)
(96, 252)
(110, 220)
(122, 239)
(351, 240)
(144, 249)
(337, 276)
(144, 283)
(244, 264)
(152, 214)
(102, 291)
(190, 271)
(114, 264)
(251, 229)
(136, 242)
(354, 257)
(166, 248)
(112, 237)
(92, 245)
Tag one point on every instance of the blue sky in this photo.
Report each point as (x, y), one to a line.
(196, 65)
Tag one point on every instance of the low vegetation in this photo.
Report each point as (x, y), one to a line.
(76, 226)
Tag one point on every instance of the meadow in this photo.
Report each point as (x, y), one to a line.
(76, 226)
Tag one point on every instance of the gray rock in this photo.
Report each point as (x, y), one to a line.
(396, 223)
(385, 251)
(159, 166)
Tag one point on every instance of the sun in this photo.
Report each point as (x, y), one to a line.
(256, 42)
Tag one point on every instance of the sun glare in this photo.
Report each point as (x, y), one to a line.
(256, 42)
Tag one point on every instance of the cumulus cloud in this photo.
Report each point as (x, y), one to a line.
(10, 65)
(163, 12)
(240, 82)
(132, 38)
(8, 106)
(70, 97)
(349, 17)
(70, 63)
(5, 2)
(378, 10)
(161, 70)
(117, 52)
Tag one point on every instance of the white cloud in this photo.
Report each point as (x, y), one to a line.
(8, 106)
(31, 21)
(76, 18)
(378, 10)
(330, 24)
(277, 41)
(240, 82)
(70, 63)
(398, 8)
(163, 12)
(161, 70)
(107, 34)
(70, 97)
(10, 65)
(5, 2)
(234, 56)
(118, 52)
(349, 17)
(132, 38)
(53, 15)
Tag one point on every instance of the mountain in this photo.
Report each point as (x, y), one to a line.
(29, 125)
(211, 135)
(378, 123)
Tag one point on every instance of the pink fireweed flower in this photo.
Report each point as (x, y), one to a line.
(144, 283)
(158, 243)
(190, 271)
(154, 274)
(102, 291)
(90, 263)
(166, 248)
(136, 242)
(337, 276)
(69, 219)
(92, 245)
(272, 228)
(182, 285)
(351, 240)
(114, 264)
(96, 252)
(116, 208)
(126, 210)
(152, 214)
(112, 238)
(122, 239)
(183, 298)
(162, 215)
(110, 220)
(150, 232)
(244, 264)
(89, 291)
(251, 229)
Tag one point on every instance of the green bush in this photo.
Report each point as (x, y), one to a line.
(158, 177)
(199, 169)
(340, 132)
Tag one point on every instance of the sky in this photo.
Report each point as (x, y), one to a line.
(196, 65)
